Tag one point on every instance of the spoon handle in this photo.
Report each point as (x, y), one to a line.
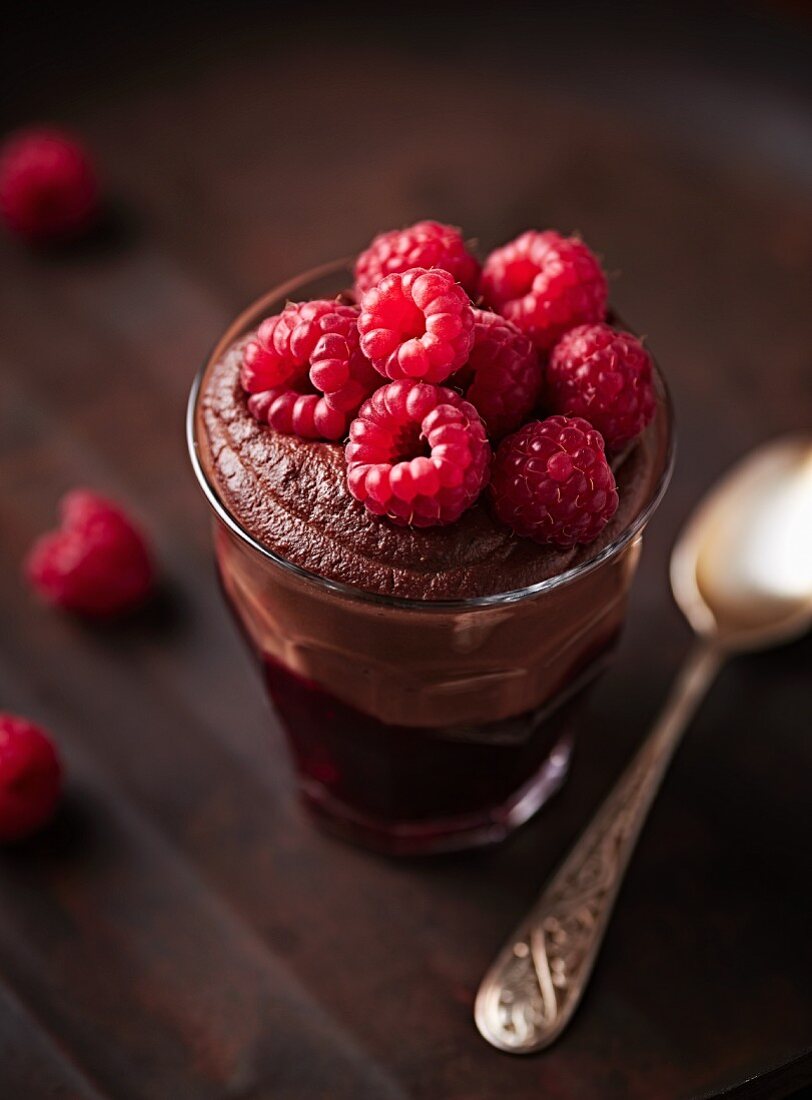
(535, 984)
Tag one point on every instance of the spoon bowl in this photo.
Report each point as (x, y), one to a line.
(742, 570)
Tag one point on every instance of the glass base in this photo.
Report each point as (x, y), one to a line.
(409, 790)
(445, 834)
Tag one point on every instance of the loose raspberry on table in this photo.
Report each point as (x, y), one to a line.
(545, 284)
(48, 186)
(551, 482)
(96, 564)
(417, 324)
(30, 778)
(503, 376)
(605, 376)
(418, 454)
(306, 371)
(426, 244)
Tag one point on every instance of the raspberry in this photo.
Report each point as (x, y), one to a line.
(30, 778)
(503, 377)
(604, 376)
(551, 482)
(418, 324)
(426, 244)
(417, 454)
(545, 284)
(48, 186)
(308, 347)
(96, 564)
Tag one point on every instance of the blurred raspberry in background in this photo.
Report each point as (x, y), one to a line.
(49, 189)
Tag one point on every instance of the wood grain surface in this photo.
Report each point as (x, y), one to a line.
(181, 931)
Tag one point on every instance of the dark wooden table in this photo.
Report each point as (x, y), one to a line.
(182, 931)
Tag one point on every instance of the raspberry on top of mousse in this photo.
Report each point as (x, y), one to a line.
(503, 375)
(426, 244)
(419, 324)
(419, 452)
(305, 369)
(606, 376)
(551, 482)
(545, 284)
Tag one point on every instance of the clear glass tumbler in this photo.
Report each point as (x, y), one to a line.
(422, 726)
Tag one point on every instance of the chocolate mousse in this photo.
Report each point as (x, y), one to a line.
(401, 442)
(291, 495)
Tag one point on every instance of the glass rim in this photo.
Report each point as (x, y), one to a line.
(406, 603)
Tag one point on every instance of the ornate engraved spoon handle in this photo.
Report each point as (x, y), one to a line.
(530, 993)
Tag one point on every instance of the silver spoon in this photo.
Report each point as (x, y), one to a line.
(742, 575)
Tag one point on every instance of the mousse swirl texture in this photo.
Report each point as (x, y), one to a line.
(291, 495)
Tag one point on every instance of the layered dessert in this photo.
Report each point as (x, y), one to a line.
(430, 479)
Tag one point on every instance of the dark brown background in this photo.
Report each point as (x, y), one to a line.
(181, 931)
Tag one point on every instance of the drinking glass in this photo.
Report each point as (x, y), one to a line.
(419, 726)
